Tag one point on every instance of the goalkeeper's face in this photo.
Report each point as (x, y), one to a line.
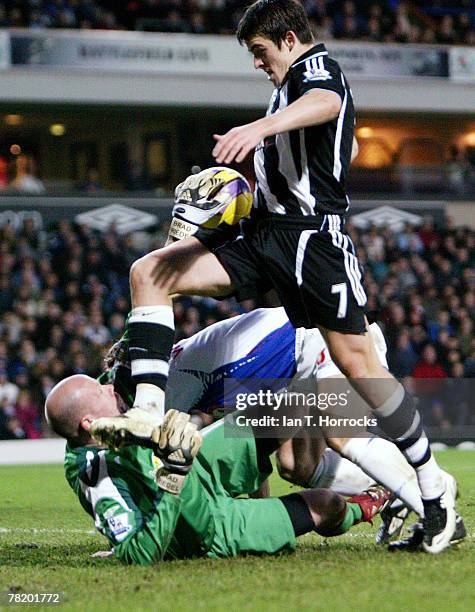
(106, 401)
(76, 401)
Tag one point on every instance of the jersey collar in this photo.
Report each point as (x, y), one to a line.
(314, 51)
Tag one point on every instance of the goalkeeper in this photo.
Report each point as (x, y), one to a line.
(177, 501)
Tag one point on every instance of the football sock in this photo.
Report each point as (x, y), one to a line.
(340, 475)
(299, 513)
(151, 334)
(431, 480)
(401, 422)
(353, 516)
(383, 462)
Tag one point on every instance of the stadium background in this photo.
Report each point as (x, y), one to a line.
(97, 127)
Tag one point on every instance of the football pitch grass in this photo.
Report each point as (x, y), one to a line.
(46, 542)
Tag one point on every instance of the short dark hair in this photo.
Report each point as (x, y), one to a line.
(272, 19)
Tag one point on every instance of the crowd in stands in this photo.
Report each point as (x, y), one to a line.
(64, 297)
(386, 20)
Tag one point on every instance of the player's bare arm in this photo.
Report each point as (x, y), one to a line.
(314, 108)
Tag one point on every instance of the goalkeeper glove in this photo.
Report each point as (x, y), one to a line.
(177, 443)
(118, 354)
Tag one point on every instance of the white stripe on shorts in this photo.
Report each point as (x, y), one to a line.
(302, 245)
(351, 264)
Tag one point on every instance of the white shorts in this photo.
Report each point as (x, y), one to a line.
(326, 368)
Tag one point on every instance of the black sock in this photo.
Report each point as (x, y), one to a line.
(150, 348)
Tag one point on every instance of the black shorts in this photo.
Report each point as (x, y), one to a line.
(309, 261)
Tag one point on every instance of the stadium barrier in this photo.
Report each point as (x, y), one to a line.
(196, 70)
(26, 452)
(157, 53)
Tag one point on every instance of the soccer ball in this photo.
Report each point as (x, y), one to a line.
(210, 198)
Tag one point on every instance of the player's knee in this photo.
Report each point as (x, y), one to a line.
(294, 474)
(355, 365)
(326, 508)
(146, 268)
(285, 465)
(139, 271)
(331, 510)
(297, 472)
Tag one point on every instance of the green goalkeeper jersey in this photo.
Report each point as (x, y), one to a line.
(145, 524)
(142, 523)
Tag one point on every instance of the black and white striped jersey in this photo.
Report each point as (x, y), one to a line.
(303, 172)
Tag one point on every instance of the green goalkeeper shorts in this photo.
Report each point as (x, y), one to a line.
(225, 468)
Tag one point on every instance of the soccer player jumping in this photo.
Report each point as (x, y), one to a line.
(295, 242)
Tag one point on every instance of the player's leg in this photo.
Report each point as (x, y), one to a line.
(182, 267)
(377, 457)
(186, 266)
(309, 463)
(332, 515)
(330, 296)
(254, 526)
(305, 461)
(399, 419)
(382, 460)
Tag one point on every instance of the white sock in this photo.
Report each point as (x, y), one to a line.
(384, 462)
(161, 314)
(151, 399)
(431, 479)
(340, 475)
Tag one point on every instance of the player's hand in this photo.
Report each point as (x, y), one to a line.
(236, 144)
(177, 442)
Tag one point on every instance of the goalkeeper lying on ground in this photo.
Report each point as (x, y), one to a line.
(183, 504)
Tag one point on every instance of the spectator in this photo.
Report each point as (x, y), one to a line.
(374, 243)
(324, 30)
(92, 184)
(428, 366)
(28, 415)
(405, 274)
(456, 170)
(374, 31)
(8, 390)
(442, 323)
(403, 358)
(380, 21)
(16, 18)
(428, 233)
(96, 332)
(409, 241)
(403, 23)
(197, 23)
(446, 34)
(466, 336)
(11, 429)
(25, 180)
(463, 27)
(3, 173)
